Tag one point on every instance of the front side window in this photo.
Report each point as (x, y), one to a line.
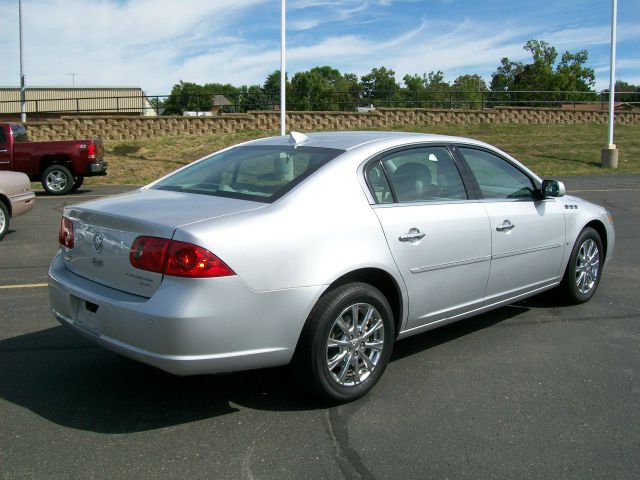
(424, 174)
(260, 173)
(497, 178)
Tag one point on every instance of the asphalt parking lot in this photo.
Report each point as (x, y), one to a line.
(533, 390)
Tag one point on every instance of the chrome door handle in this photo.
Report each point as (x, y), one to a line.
(412, 236)
(4, 150)
(506, 226)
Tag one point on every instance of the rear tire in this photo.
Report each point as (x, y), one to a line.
(584, 269)
(57, 180)
(4, 220)
(78, 181)
(337, 359)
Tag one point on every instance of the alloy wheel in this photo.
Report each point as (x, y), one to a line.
(587, 266)
(57, 181)
(355, 344)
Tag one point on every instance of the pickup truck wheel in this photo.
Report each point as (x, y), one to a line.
(4, 220)
(77, 183)
(57, 180)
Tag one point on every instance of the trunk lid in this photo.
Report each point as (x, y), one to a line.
(105, 229)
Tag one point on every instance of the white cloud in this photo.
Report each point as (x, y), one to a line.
(155, 43)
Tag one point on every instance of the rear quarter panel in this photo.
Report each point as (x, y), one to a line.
(321, 230)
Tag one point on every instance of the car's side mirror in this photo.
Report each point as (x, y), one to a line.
(553, 188)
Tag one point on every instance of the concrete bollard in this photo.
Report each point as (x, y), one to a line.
(609, 156)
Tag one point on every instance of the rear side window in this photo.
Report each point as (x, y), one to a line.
(496, 177)
(3, 140)
(378, 184)
(424, 174)
(19, 133)
(259, 173)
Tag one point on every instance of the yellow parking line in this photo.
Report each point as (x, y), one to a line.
(27, 285)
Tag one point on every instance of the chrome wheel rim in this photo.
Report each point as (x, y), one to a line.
(3, 221)
(57, 180)
(587, 266)
(355, 344)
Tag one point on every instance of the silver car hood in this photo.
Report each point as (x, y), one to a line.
(105, 229)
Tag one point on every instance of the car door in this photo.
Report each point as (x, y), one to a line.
(439, 239)
(527, 230)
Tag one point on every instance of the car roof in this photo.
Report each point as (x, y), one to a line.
(353, 139)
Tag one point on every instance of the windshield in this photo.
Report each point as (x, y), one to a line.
(261, 173)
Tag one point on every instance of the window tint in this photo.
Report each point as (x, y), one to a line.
(378, 184)
(2, 139)
(424, 174)
(259, 173)
(497, 177)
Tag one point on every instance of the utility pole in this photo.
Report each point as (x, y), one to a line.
(23, 98)
(283, 70)
(609, 155)
(73, 78)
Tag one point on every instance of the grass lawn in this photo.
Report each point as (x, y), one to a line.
(547, 149)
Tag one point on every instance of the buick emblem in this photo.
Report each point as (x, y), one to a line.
(98, 240)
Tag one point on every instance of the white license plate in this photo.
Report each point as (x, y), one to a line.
(84, 318)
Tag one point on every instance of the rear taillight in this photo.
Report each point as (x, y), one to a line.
(91, 150)
(179, 259)
(65, 237)
(148, 253)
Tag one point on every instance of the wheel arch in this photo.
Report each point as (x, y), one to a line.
(48, 160)
(376, 277)
(599, 227)
(7, 204)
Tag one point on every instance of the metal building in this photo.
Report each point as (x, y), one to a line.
(53, 101)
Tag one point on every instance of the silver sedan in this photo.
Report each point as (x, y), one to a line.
(319, 250)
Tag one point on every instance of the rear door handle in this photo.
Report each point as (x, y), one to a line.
(506, 226)
(4, 150)
(412, 236)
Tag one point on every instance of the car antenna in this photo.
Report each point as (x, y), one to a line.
(297, 138)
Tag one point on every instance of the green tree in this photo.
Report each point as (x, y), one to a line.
(468, 91)
(379, 86)
(543, 74)
(189, 96)
(324, 88)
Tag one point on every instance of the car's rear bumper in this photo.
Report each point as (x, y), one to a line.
(21, 204)
(187, 327)
(97, 169)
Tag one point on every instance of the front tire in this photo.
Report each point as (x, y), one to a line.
(4, 220)
(584, 270)
(347, 344)
(57, 180)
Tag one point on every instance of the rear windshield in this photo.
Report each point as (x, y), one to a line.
(260, 173)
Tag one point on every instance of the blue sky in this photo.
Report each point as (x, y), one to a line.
(156, 43)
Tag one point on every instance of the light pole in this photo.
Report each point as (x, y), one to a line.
(73, 78)
(23, 100)
(609, 155)
(283, 74)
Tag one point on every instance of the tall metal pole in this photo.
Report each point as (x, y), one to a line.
(23, 100)
(612, 72)
(283, 74)
(609, 155)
